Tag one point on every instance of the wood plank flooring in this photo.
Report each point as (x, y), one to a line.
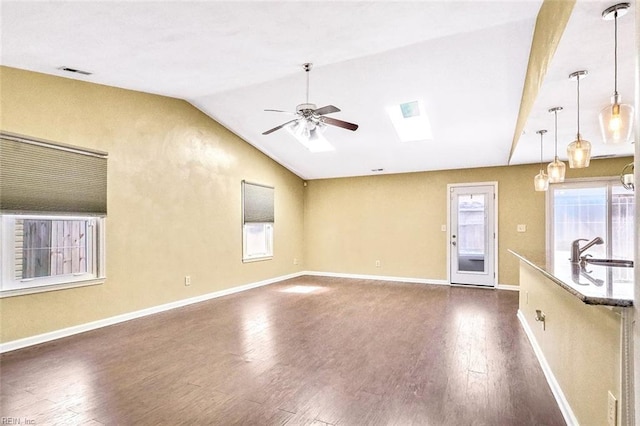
(307, 351)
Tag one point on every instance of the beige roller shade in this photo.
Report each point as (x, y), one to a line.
(39, 176)
(257, 203)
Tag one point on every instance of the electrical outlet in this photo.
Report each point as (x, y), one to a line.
(295, 261)
(377, 263)
(522, 228)
(527, 296)
(443, 228)
(187, 280)
(612, 410)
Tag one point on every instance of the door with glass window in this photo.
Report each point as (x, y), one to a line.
(472, 234)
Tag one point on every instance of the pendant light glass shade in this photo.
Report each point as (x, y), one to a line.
(541, 180)
(556, 169)
(579, 151)
(616, 120)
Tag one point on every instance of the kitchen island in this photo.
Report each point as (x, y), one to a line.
(577, 318)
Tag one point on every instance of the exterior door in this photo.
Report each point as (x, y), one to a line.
(472, 238)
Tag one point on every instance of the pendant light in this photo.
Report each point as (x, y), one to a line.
(556, 169)
(616, 120)
(579, 151)
(541, 181)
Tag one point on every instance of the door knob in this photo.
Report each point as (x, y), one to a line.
(453, 243)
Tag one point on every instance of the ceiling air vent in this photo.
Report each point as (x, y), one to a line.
(74, 70)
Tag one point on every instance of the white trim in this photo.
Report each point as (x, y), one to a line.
(508, 287)
(377, 277)
(496, 225)
(563, 404)
(10, 285)
(77, 329)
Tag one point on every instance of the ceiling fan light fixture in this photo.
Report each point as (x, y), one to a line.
(579, 151)
(616, 120)
(309, 134)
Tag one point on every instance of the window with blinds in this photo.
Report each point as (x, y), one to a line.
(257, 221)
(52, 213)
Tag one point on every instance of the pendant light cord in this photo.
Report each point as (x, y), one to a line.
(541, 136)
(578, 117)
(556, 133)
(615, 54)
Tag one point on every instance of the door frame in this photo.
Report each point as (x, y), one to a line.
(495, 223)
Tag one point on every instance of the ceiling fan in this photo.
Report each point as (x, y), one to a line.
(309, 118)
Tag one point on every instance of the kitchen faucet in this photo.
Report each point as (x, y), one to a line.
(576, 250)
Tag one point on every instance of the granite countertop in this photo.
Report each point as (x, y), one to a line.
(593, 284)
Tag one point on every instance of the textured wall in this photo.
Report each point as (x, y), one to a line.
(173, 199)
(352, 222)
(581, 344)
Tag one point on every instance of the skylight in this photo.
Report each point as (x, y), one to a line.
(410, 121)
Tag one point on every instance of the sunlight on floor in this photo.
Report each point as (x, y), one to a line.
(303, 289)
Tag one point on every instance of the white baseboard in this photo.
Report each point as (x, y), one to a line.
(563, 404)
(508, 287)
(377, 277)
(65, 332)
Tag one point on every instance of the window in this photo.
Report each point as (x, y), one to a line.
(257, 222)
(40, 251)
(53, 204)
(589, 209)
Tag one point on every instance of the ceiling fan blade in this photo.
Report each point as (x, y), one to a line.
(279, 110)
(339, 123)
(326, 110)
(279, 127)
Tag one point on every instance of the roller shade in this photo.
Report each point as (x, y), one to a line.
(257, 203)
(39, 176)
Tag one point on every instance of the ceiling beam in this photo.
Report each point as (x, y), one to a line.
(550, 24)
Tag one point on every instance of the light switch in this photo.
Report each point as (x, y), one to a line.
(443, 228)
(522, 228)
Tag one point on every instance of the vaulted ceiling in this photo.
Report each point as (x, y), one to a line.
(465, 60)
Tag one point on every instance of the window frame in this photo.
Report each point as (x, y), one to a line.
(606, 181)
(253, 257)
(257, 211)
(10, 286)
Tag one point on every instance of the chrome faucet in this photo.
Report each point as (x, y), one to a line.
(576, 250)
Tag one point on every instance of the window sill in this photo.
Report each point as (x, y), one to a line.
(256, 259)
(53, 287)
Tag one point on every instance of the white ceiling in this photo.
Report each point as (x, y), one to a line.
(465, 60)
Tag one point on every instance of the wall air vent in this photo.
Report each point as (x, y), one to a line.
(74, 70)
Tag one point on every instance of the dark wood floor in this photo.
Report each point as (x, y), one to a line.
(352, 352)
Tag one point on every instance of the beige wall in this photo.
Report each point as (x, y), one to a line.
(173, 199)
(352, 222)
(174, 205)
(581, 344)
